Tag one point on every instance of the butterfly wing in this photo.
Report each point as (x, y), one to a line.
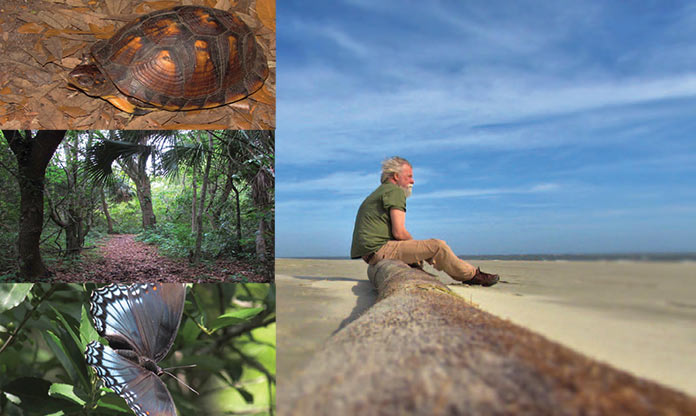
(144, 317)
(143, 391)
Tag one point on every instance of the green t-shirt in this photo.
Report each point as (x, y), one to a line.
(373, 223)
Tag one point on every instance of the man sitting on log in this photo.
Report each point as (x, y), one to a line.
(380, 230)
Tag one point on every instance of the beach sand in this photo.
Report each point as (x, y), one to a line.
(636, 316)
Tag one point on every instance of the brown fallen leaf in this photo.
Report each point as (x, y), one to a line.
(266, 11)
(67, 33)
(105, 32)
(156, 5)
(75, 3)
(55, 20)
(30, 28)
(223, 5)
(13, 125)
(196, 127)
(73, 112)
(263, 96)
(54, 47)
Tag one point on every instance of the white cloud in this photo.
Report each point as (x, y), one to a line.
(464, 193)
(339, 182)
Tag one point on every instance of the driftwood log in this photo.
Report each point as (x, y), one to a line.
(423, 350)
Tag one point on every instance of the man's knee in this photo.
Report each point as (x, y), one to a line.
(434, 242)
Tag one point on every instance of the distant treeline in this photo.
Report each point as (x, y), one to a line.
(587, 257)
(671, 257)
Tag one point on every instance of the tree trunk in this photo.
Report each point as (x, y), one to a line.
(261, 241)
(73, 228)
(33, 155)
(73, 231)
(194, 202)
(215, 214)
(142, 187)
(138, 174)
(259, 190)
(204, 189)
(137, 171)
(239, 217)
(105, 208)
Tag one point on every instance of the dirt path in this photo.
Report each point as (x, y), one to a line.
(119, 258)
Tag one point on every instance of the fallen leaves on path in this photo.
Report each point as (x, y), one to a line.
(122, 259)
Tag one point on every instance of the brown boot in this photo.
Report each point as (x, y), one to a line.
(482, 278)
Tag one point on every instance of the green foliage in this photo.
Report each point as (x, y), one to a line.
(173, 239)
(172, 205)
(227, 332)
(126, 216)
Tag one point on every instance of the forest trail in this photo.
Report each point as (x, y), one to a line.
(120, 258)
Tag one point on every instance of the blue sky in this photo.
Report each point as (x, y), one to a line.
(532, 126)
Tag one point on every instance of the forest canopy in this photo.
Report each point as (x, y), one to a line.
(137, 205)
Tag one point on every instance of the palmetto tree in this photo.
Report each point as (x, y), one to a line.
(252, 152)
(246, 156)
(133, 150)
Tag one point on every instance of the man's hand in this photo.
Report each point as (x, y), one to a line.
(398, 224)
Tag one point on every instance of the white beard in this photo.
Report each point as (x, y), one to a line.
(408, 190)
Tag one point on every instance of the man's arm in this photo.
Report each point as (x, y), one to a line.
(398, 224)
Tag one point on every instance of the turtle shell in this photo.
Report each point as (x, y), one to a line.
(183, 58)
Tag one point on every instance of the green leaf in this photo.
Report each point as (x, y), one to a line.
(114, 402)
(256, 291)
(67, 327)
(64, 391)
(234, 318)
(31, 395)
(87, 331)
(197, 301)
(13, 295)
(75, 350)
(189, 331)
(64, 357)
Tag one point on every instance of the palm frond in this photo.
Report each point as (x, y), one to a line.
(182, 154)
(100, 157)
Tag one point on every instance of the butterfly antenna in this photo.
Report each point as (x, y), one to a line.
(180, 380)
(180, 366)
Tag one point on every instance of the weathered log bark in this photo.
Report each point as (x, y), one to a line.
(423, 350)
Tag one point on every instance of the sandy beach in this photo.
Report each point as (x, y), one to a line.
(636, 316)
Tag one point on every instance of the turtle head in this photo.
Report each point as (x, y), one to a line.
(91, 80)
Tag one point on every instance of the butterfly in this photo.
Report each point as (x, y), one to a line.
(140, 323)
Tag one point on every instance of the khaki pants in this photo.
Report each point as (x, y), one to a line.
(435, 252)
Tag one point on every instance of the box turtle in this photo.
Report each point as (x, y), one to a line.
(183, 58)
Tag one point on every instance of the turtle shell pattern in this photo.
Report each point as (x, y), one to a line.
(183, 58)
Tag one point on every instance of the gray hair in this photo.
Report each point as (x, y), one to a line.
(392, 166)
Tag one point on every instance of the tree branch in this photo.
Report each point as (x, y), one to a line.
(26, 318)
